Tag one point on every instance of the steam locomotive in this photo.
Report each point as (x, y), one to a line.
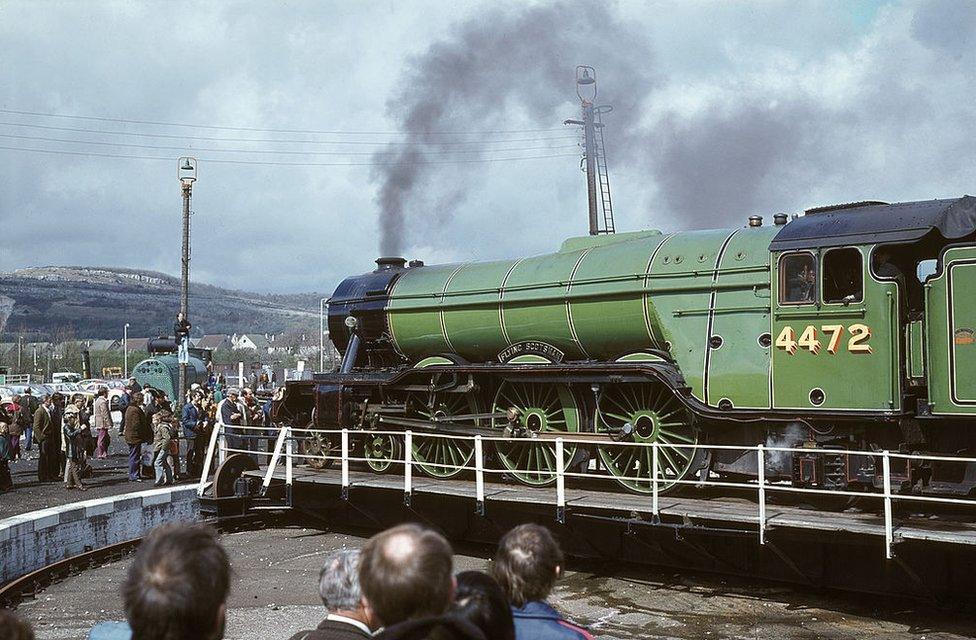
(851, 327)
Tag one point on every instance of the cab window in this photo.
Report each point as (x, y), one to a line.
(843, 276)
(798, 278)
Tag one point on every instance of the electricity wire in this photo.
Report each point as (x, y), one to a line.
(290, 164)
(278, 151)
(264, 130)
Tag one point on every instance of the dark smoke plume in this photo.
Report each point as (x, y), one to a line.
(500, 68)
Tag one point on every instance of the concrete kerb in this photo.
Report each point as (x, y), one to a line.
(32, 541)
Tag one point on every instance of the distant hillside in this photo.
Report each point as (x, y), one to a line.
(95, 302)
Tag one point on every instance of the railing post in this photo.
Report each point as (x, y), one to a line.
(209, 460)
(273, 463)
(479, 476)
(761, 462)
(407, 467)
(222, 452)
(289, 452)
(655, 508)
(560, 483)
(889, 531)
(345, 464)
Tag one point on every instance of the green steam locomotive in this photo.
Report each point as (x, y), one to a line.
(851, 327)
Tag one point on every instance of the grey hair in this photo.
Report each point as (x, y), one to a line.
(339, 581)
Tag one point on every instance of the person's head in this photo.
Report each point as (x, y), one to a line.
(13, 627)
(28, 391)
(339, 585)
(177, 585)
(80, 402)
(132, 382)
(179, 315)
(479, 599)
(15, 398)
(527, 564)
(233, 393)
(102, 391)
(137, 398)
(406, 572)
(47, 400)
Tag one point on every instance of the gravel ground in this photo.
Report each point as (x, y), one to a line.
(276, 570)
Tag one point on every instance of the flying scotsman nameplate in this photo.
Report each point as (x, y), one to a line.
(531, 347)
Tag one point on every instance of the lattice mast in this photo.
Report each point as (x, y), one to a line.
(594, 162)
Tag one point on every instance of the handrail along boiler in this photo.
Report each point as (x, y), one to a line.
(851, 327)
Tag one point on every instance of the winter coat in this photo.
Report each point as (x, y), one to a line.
(332, 630)
(539, 621)
(445, 627)
(163, 431)
(134, 425)
(103, 414)
(190, 420)
(16, 424)
(71, 432)
(43, 424)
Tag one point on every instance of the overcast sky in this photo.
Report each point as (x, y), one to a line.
(721, 110)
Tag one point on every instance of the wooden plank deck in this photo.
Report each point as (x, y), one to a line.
(714, 511)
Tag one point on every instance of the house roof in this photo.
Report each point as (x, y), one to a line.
(212, 341)
(137, 344)
(259, 340)
(102, 345)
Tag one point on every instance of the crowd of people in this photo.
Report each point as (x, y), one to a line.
(68, 433)
(400, 586)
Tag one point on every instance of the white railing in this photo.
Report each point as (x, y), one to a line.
(286, 436)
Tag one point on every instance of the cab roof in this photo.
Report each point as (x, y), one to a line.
(877, 222)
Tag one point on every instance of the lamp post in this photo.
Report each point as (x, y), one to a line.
(125, 350)
(187, 174)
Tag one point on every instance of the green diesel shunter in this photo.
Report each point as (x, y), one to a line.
(850, 327)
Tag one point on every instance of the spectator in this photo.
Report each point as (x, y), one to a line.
(527, 564)
(103, 422)
(134, 429)
(13, 628)
(57, 416)
(123, 403)
(6, 482)
(162, 437)
(134, 386)
(192, 421)
(28, 407)
(74, 441)
(46, 442)
(407, 580)
(86, 440)
(339, 588)
(479, 599)
(181, 335)
(16, 427)
(230, 415)
(176, 587)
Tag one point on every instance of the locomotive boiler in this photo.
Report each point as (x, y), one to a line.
(851, 327)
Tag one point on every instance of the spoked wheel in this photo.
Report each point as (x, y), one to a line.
(382, 451)
(536, 407)
(649, 413)
(443, 457)
(319, 449)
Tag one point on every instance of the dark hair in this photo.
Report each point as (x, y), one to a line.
(406, 573)
(526, 563)
(479, 599)
(13, 627)
(177, 584)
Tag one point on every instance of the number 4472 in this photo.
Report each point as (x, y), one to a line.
(832, 333)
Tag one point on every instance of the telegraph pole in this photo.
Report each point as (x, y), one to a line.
(187, 174)
(594, 159)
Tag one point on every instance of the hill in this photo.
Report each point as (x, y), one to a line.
(95, 302)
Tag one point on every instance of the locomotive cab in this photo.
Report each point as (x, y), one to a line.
(861, 324)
